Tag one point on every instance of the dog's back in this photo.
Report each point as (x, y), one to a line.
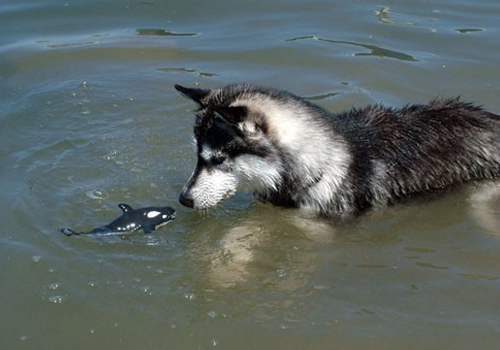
(402, 152)
(293, 153)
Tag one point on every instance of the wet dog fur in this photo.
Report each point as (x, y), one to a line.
(293, 153)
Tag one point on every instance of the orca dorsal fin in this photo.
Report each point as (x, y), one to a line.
(124, 207)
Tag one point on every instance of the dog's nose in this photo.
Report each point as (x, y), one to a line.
(186, 201)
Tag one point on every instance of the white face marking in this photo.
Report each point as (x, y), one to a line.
(251, 173)
(256, 174)
(164, 216)
(153, 214)
(211, 187)
(206, 152)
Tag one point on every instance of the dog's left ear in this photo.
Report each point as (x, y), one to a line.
(249, 123)
(197, 95)
(233, 115)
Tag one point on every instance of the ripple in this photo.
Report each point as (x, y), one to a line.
(161, 32)
(322, 96)
(474, 276)
(73, 44)
(420, 250)
(468, 30)
(375, 50)
(384, 16)
(371, 266)
(432, 266)
(187, 70)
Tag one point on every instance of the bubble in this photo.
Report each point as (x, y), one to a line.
(281, 273)
(54, 285)
(96, 194)
(147, 290)
(189, 296)
(56, 299)
(111, 156)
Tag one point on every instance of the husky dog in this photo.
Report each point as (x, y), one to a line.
(293, 153)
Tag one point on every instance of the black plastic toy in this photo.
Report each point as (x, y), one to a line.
(146, 219)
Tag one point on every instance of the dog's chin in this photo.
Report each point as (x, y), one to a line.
(206, 205)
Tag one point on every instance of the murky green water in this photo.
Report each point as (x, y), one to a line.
(89, 119)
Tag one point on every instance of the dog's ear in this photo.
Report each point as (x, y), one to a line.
(240, 117)
(197, 95)
(233, 115)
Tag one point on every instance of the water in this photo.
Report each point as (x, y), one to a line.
(89, 119)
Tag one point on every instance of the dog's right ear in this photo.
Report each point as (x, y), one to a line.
(197, 95)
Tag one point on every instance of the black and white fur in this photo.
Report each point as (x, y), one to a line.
(293, 153)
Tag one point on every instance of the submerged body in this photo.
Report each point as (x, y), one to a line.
(293, 153)
(146, 219)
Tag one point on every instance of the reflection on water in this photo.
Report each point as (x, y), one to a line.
(243, 251)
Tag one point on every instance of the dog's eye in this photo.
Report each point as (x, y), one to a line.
(218, 160)
(221, 163)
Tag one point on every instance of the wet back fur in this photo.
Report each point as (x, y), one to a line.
(291, 152)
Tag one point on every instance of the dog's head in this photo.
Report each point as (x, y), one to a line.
(234, 147)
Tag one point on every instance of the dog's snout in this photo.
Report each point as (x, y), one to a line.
(186, 201)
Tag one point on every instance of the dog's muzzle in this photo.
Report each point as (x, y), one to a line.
(186, 201)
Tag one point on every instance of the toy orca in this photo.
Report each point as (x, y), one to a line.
(148, 219)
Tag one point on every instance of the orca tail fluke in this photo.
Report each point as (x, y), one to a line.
(69, 232)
